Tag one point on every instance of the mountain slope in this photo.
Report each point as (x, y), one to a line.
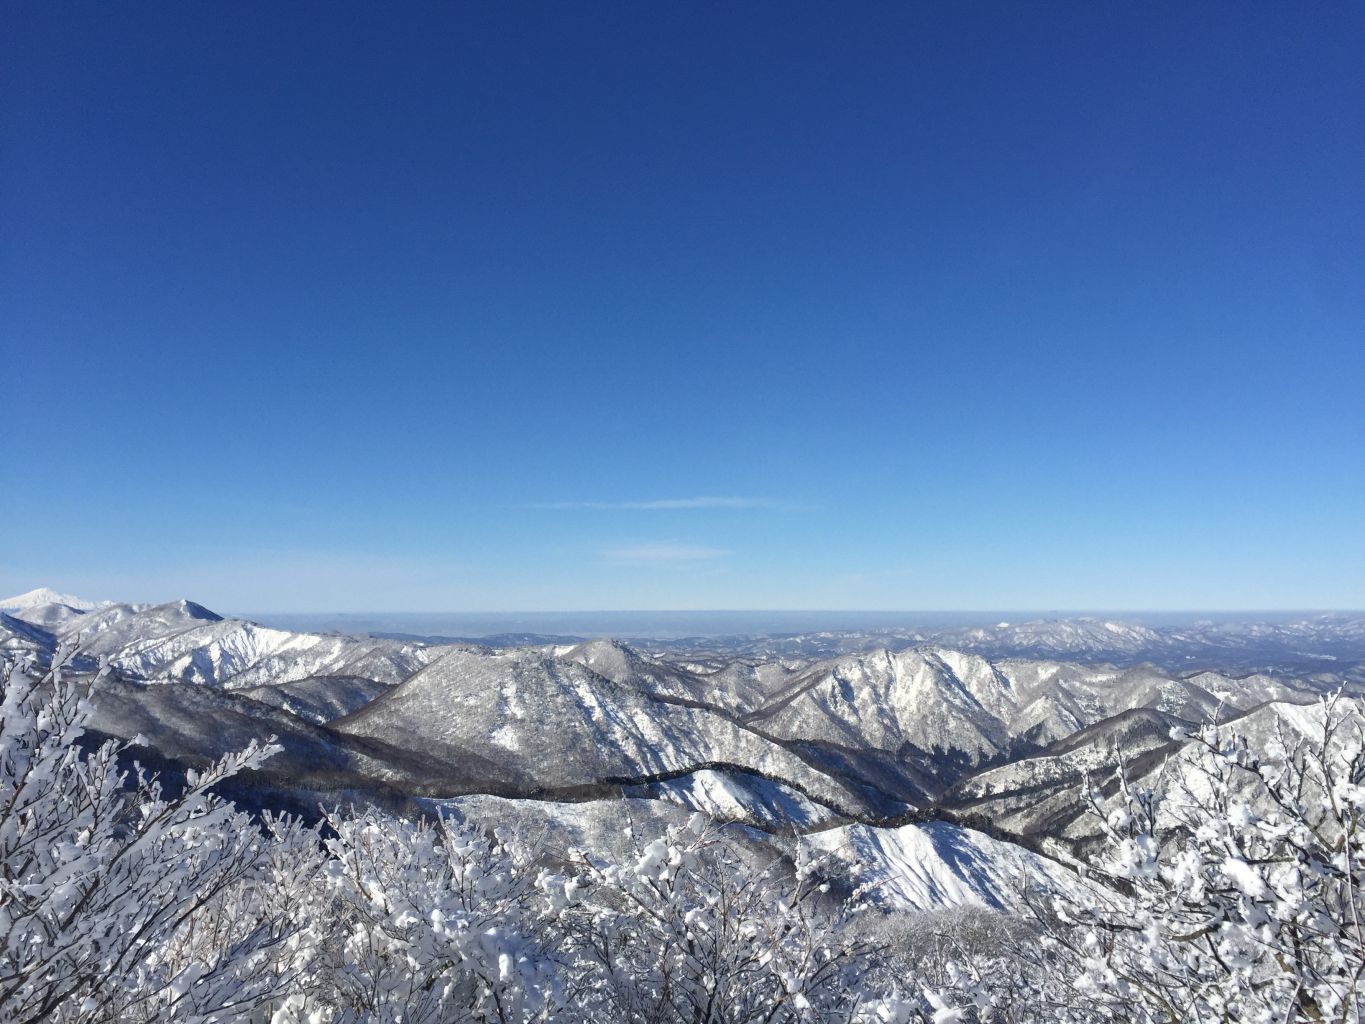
(193, 724)
(184, 642)
(912, 868)
(564, 725)
(890, 702)
(935, 865)
(1042, 794)
(21, 639)
(319, 699)
(914, 721)
(726, 794)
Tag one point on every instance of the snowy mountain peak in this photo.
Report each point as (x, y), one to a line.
(609, 658)
(196, 611)
(42, 596)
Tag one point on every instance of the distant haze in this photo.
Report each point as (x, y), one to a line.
(671, 624)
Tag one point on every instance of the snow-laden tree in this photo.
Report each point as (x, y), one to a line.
(1244, 875)
(436, 921)
(977, 964)
(117, 901)
(280, 902)
(687, 930)
(1230, 888)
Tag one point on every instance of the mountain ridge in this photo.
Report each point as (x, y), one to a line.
(858, 743)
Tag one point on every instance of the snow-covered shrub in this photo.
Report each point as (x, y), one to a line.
(117, 902)
(437, 922)
(687, 931)
(978, 964)
(1233, 887)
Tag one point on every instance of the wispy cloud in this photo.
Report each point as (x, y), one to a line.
(662, 504)
(663, 553)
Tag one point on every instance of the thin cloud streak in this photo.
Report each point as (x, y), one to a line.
(662, 504)
(664, 553)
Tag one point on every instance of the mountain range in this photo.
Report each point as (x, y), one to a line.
(890, 759)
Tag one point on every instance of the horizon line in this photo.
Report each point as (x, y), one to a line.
(1304, 610)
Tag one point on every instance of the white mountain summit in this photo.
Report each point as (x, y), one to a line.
(44, 596)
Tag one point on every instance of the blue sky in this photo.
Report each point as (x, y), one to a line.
(583, 306)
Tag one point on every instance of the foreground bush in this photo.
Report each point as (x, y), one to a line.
(1239, 893)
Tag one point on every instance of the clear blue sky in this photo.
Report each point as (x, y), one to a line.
(531, 306)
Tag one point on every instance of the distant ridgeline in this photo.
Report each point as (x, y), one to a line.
(881, 726)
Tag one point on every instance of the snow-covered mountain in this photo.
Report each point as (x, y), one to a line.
(1045, 794)
(907, 868)
(836, 752)
(917, 700)
(917, 720)
(1331, 643)
(196, 724)
(319, 699)
(184, 642)
(1076, 638)
(47, 608)
(44, 596)
(556, 723)
(730, 794)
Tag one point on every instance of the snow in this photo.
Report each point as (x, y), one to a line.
(184, 642)
(43, 596)
(561, 724)
(935, 865)
(759, 741)
(734, 796)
